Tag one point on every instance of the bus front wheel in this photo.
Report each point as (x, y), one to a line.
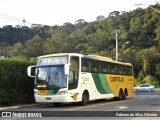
(85, 98)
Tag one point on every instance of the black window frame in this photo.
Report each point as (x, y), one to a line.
(103, 67)
(95, 66)
(85, 68)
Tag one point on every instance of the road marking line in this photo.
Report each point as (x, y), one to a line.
(147, 96)
(91, 106)
(119, 108)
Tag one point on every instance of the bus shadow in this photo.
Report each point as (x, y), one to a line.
(71, 105)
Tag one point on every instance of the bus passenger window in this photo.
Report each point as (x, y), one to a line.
(95, 67)
(124, 70)
(109, 68)
(119, 69)
(104, 70)
(104, 67)
(85, 65)
(113, 69)
(129, 69)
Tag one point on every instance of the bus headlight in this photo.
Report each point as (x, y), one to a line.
(36, 93)
(62, 92)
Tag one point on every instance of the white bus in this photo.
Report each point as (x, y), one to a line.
(72, 77)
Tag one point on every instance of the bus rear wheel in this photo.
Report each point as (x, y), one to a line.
(120, 97)
(125, 94)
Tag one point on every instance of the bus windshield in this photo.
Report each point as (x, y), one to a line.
(52, 75)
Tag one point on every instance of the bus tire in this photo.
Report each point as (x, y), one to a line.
(120, 97)
(125, 94)
(85, 98)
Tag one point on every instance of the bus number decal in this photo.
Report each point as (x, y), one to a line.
(85, 78)
(116, 79)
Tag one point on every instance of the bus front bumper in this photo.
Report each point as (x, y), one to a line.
(54, 98)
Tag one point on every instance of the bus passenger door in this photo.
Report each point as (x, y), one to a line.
(73, 73)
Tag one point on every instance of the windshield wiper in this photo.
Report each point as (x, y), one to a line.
(51, 85)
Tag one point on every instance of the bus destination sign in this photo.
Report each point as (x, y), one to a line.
(52, 61)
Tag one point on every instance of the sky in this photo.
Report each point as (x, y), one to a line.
(57, 12)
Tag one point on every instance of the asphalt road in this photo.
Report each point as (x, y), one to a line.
(140, 102)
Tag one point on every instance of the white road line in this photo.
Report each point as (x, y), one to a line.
(119, 108)
(146, 96)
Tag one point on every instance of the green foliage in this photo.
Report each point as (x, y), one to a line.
(15, 86)
(141, 79)
(141, 76)
(34, 47)
(151, 80)
(136, 82)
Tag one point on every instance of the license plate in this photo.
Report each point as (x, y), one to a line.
(48, 98)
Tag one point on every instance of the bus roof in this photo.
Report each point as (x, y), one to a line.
(95, 57)
(58, 54)
(102, 58)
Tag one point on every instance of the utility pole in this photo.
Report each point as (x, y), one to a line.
(117, 31)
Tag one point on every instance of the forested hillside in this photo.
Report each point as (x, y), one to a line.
(141, 28)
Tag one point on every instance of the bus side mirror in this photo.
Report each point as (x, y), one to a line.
(31, 71)
(66, 69)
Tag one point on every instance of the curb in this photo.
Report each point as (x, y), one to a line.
(18, 106)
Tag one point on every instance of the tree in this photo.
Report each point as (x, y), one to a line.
(80, 23)
(56, 44)
(157, 31)
(141, 76)
(16, 50)
(34, 47)
(100, 18)
(114, 13)
(147, 58)
(158, 71)
(150, 79)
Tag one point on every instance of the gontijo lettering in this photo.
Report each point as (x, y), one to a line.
(117, 79)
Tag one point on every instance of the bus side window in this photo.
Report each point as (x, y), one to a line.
(119, 69)
(123, 70)
(113, 69)
(95, 67)
(85, 65)
(129, 69)
(104, 70)
(104, 67)
(109, 68)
